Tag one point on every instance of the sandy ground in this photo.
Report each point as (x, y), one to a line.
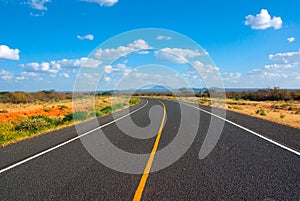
(12, 112)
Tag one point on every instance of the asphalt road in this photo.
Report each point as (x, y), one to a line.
(242, 166)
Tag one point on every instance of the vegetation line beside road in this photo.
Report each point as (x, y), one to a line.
(20, 121)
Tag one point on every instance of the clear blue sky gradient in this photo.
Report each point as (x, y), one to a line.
(217, 25)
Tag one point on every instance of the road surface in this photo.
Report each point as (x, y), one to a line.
(242, 166)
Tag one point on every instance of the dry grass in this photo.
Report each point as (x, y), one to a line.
(14, 115)
(281, 112)
(55, 109)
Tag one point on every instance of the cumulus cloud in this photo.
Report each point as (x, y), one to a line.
(64, 75)
(205, 68)
(28, 75)
(287, 67)
(114, 53)
(120, 68)
(8, 53)
(291, 39)
(5, 75)
(38, 4)
(287, 57)
(163, 37)
(107, 79)
(164, 56)
(176, 55)
(103, 2)
(263, 20)
(107, 69)
(231, 77)
(86, 37)
(55, 66)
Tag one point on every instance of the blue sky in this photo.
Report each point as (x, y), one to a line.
(43, 43)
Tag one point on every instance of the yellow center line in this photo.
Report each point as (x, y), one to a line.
(139, 191)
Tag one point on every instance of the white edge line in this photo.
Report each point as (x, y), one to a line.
(68, 141)
(246, 129)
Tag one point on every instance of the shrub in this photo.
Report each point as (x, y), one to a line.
(47, 109)
(76, 116)
(106, 110)
(4, 111)
(96, 113)
(133, 101)
(261, 112)
(34, 124)
(118, 106)
(7, 130)
(61, 107)
(68, 117)
(281, 115)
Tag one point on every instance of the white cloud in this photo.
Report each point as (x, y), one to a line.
(114, 53)
(55, 66)
(107, 79)
(28, 75)
(120, 68)
(205, 68)
(275, 71)
(283, 73)
(107, 69)
(20, 78)
(298, 77)
(38, 4)
(5, 75)
(164, 56)
(103, 2)
(163, 37)
(86, 37)
(41, 67)
(7, 53)
(198, 64)
(64, 75)
(263, 20)
(186, 53)
(231, 77)
(176, 55)
(291, 39)
(287, 57)
(88, 62)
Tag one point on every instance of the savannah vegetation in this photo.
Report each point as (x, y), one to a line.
(24, 114)
(273, 104)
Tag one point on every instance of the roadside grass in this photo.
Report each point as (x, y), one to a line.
(281, 112)
(20, 124)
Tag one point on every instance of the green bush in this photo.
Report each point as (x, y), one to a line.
(61, 107)
(7, 130)
(68, 117)
(106, 110)
(261, 112)
(76, 116)
(133, 101)
(35, 124)
(118, 106)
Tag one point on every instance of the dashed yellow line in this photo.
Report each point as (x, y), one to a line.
(140, 189)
